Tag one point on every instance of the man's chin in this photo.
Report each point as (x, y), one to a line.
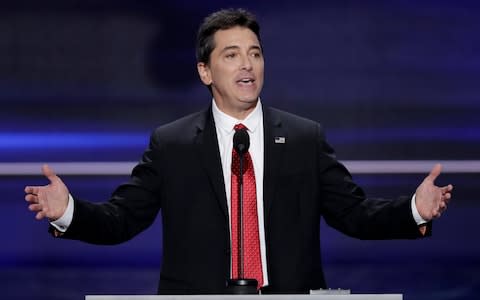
(250, 99)
(249, 103)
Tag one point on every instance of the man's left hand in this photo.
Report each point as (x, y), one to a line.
(431, 200)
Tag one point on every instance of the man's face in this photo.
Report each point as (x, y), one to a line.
(235, 71)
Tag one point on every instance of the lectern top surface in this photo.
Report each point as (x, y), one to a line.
(250, 297)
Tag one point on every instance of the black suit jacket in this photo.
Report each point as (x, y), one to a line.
(181, 174)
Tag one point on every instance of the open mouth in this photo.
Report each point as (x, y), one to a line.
(246, 81)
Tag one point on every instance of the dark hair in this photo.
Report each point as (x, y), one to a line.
(221, 20)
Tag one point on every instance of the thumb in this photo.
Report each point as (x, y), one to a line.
(434, 173)
(49, 173)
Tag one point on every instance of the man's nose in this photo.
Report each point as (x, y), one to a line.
(246, 63)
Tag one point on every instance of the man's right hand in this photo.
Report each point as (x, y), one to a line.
(50, 200)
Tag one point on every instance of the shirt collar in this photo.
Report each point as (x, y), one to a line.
(226, 122)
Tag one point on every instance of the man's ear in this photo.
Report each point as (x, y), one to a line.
(204, 73)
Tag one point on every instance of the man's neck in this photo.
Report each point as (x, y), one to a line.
(240, 113)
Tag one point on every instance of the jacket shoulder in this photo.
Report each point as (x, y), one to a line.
(186, 126)
(290, 120)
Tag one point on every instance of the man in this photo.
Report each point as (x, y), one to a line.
(186, 173)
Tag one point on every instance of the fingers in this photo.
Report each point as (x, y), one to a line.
(434, 173)
(35, 207)
(31, 198)
(49, 173)
(35, 204)
(39, 209)
(33, 194)
(32, 190)
(436, 213)
(446, 189)
(40, 215)
(442, 205)
(41, 198)
(446, 193)
(447, 197)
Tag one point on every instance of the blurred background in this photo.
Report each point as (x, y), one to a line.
(394, 83)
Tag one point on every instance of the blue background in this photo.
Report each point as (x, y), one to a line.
(390, 80)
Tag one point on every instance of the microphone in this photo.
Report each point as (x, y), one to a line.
(241, 141)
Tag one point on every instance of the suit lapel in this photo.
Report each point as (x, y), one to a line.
(207, 146)
(273, 154)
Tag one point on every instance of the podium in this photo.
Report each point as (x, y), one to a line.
(250, 297)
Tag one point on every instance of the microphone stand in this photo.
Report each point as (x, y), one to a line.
(240, 220)
(241, 285)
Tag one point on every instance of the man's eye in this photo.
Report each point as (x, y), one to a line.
(256, 54)
(231, 55)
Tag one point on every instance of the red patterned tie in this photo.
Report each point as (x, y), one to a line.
(252, 266)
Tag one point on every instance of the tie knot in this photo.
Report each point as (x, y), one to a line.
(240, 127)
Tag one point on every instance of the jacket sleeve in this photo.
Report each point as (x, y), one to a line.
(132, 207)
(346, 208)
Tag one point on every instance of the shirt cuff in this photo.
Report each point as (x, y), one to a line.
(64, 221)
(416, 216)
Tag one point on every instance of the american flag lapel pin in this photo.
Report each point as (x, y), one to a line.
(279, 140)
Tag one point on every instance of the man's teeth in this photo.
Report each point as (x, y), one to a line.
(246, 80)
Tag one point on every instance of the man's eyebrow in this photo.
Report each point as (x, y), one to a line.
(235, 47)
